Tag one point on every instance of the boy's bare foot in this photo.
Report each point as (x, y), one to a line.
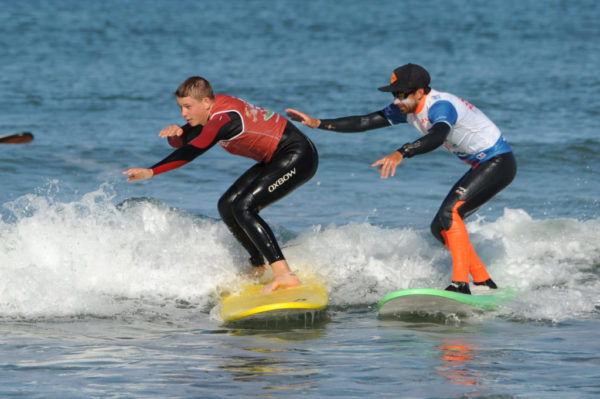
(286, 280)
(282, 277)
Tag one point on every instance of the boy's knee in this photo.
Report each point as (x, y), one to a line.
(240, 208)
(224, 206)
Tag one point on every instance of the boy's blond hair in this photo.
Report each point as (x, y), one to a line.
(195, 87)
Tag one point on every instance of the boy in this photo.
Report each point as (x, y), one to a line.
(285, 157)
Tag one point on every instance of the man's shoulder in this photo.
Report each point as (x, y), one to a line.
(435, 96)
(442, 107)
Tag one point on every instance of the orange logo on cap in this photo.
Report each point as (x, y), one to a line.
(394, 78)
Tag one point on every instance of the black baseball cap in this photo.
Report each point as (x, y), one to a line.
(408, 77)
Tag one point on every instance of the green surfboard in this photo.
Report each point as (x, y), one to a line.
(431, 300)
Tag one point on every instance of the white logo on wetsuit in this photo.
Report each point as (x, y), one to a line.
(282, 180)
(461, 191)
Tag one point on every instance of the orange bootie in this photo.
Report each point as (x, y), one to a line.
(476, 267)
(464, 257)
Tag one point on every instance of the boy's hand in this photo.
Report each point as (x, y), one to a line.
(171, 131)
(138, 174)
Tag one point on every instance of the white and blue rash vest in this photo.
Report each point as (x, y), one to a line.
(473, 137)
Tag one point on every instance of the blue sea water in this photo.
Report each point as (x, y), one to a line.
(110, 289)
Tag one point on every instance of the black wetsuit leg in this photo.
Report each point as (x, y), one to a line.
(475, 188)
(294, 162)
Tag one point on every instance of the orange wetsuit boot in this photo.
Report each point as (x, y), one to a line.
(464, 257)
(454, 239)
(478, 271)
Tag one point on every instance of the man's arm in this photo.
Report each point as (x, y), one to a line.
(348, 124)
(434, 139)
(353, 124)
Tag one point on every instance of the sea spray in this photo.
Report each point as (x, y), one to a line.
(89, 255)
(142, 257)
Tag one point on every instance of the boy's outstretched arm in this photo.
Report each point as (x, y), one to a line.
(138, 174)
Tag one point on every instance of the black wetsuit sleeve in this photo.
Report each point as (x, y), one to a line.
(200, 139)
(354, 124)
(432, 140)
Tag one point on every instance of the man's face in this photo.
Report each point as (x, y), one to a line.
(195, 112)
(408, 102)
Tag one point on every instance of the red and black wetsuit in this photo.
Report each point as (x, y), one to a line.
(286, 160)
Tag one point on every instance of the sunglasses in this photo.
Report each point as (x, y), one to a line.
(401, 95)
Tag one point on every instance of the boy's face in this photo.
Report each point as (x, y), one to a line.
(195, 112)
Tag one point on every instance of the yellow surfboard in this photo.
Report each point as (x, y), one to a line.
(248, 302)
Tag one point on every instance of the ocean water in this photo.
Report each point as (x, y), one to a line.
(111, 289)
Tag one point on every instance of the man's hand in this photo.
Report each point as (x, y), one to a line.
(388, 164)
(171, 131)
(138, 174)
(302, 118)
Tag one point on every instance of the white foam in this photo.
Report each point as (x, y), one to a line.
(90, 256)
(553, 263)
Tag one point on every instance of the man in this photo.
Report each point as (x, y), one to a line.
(286, 160)
(447, 120)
